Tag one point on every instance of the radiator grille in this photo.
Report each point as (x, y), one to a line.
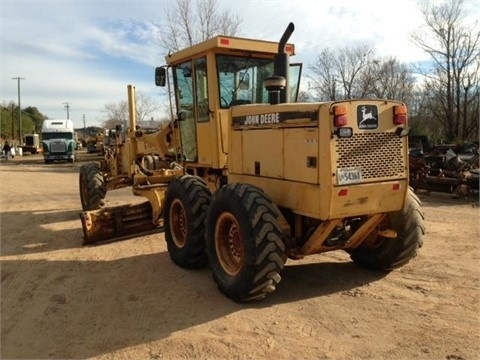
(58, 147)
(377, 155)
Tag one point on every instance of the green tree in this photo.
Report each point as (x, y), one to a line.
(32, 120)
(36, 118)
(7, 126)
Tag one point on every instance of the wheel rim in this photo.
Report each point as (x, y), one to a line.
(178, 223)
(229, 244)
(374, 240)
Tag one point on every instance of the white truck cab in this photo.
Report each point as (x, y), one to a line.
(58, 140)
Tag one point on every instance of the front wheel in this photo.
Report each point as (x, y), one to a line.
(186, 204)
(92, 187)
(244, 242)
(386, 254)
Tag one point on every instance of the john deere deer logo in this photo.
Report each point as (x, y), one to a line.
(367, 117)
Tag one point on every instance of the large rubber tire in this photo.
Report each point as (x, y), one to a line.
(386, 254)
(92, 187)
(244, 242)
(186, 205)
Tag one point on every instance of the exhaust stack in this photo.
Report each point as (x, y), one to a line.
(278, 87)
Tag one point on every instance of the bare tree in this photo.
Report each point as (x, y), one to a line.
(117, 113)
(351, 62)
(353, 73)
(452, 77)
(324, 82)
(338, 73)
(146, 106)
(189, 23)
(388, 79)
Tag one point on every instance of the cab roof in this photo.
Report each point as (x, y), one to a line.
(228, 43)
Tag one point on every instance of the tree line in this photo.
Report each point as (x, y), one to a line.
(442, 94)
(31, 117)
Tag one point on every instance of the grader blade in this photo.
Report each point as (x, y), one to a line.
(117, 222)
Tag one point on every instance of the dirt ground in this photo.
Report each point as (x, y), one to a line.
(127, 300)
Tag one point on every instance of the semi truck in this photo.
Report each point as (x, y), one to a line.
(58, 141)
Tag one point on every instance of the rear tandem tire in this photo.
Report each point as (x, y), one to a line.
(186, 205)
(92, 187)
(386, 254)
(244, 242)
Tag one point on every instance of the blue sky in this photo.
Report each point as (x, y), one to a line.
(86, 52)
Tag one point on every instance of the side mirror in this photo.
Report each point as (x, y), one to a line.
(160, 76)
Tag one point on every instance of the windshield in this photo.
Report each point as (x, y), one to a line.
(240, 80)
(57, 135)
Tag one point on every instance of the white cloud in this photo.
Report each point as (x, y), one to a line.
(335, 23)
(73, 59)
(130, 39)
(86, 52)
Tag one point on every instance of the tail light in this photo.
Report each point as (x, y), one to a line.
(400, 115)
(340, 115)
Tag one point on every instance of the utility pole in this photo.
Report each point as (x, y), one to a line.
(67, 106)
(84, 128)
(18, 78)
(13, 123)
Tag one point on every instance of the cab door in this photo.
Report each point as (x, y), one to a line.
(204, 130)
(192, 101)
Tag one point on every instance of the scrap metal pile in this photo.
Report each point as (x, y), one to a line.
(446, 168)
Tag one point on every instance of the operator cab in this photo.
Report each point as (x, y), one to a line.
(211, 77)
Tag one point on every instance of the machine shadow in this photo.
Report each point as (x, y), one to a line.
(304, 281)
(98, 307)
(39, 167)
(47, 237)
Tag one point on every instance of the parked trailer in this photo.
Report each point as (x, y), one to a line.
(32, 144)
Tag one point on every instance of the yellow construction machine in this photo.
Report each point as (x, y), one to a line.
(244, 177)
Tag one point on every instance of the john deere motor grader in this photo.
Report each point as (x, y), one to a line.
(244, 177)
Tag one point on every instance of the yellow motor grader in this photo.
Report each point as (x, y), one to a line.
(244, 177)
